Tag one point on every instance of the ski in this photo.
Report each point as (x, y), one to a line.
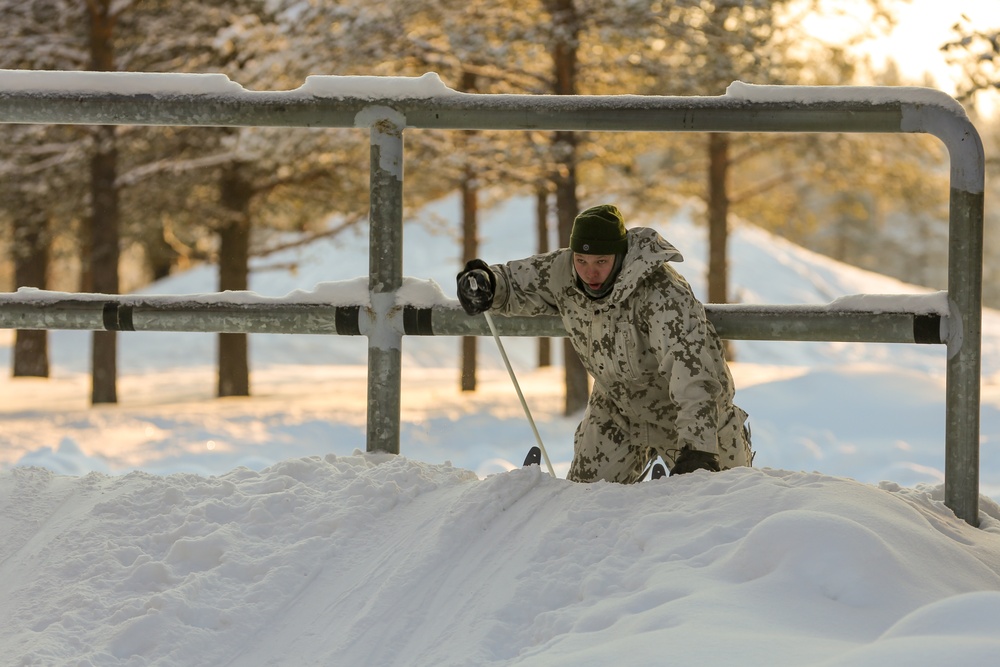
(653, 470)
(533, 458)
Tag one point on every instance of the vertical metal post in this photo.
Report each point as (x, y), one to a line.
(962, 402)
(385, 276)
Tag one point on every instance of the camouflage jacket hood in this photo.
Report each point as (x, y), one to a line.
(647, 251)
(647, 344)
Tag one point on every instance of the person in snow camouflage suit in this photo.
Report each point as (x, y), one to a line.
(661, 382)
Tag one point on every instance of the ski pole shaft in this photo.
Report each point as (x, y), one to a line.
(517, 387)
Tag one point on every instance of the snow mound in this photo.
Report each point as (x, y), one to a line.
(382, 560)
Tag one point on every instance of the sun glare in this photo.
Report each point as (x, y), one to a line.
(914, 43)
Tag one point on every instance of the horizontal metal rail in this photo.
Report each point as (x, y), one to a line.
(464, 112)
(732, 321)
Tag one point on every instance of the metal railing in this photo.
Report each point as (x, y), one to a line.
(388, 106)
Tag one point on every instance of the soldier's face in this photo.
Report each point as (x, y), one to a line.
(593, 269)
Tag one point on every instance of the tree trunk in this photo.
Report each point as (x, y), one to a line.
(566, 30)
(718, 222)
(470, 246)
(718, 217)
(234, 262)
(104, 253)
(470, 250)
(31, 259)
(577, 381)
(104, 218)
(542, 216)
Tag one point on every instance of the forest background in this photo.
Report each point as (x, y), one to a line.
(111, 208)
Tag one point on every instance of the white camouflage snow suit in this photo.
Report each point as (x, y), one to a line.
(661, 382)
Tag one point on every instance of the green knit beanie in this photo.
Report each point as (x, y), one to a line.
(600, 230)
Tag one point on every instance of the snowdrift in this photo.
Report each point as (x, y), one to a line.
(272, 544)
(380, 560)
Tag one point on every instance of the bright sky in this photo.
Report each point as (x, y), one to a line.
(914, 44)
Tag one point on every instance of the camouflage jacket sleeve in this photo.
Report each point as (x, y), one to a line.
(528, 286)
(688, 353)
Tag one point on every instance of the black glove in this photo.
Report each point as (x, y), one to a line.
(690, 460)
(476, 287)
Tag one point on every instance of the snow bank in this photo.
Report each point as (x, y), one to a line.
(375, 560)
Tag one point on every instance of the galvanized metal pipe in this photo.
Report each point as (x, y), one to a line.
(965, 288)
(461, 112)
(102, 98)
(385, 277)
(731, 321)
(962, 398)
(168, 313)
(125, 313)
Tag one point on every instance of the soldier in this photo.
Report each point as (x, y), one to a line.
(661, 382)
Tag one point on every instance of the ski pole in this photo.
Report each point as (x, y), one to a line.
(517, 387)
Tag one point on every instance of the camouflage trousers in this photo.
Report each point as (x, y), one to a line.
(610, 446)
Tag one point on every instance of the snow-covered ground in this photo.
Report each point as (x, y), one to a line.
(254, 531)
